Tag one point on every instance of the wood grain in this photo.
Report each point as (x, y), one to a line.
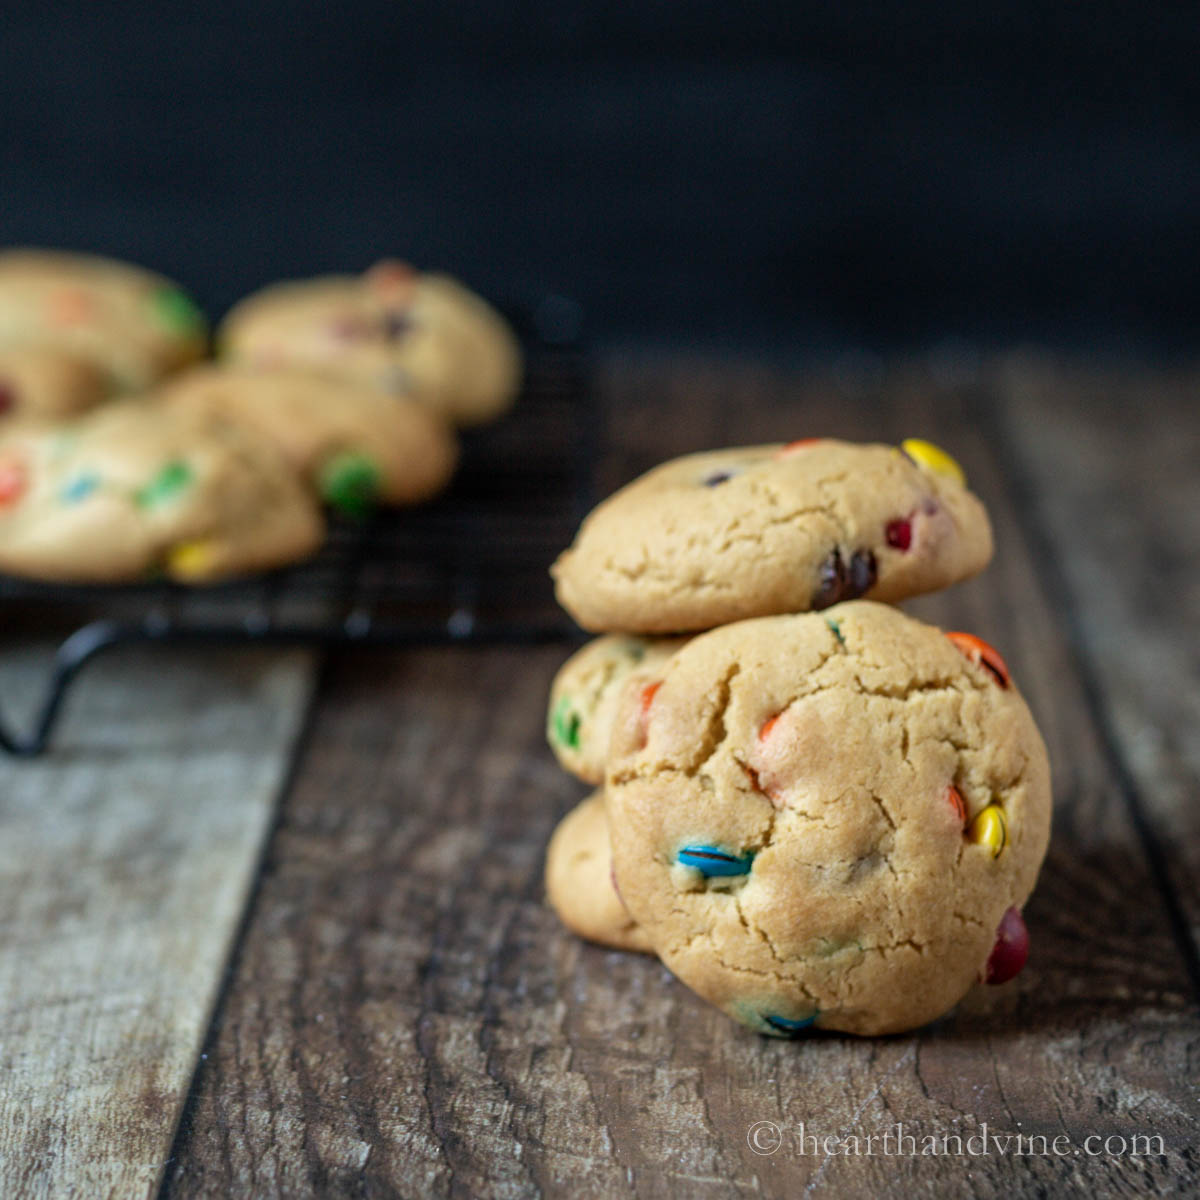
(406, 1017)
(1112, 463)
(126, 857)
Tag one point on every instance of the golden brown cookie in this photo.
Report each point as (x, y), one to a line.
(712, 538)
(44, 384)
(579, 882)
(584, 695)
(132, 490)
(391, 328)
(134, 325)
(830, 819)
(358, 447)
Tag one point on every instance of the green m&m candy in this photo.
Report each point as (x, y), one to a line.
(173, 479)
(565, 724)
(350, 483)
(178, 312)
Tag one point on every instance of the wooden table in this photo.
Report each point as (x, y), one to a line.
(381, 1004)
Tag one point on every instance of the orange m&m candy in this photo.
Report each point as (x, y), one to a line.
(982, 655)
(792, 447)
(13, 479)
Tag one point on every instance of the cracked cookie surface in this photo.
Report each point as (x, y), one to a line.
(584, 695)
(132, 490)
(804, 813)
(579, 883)
(392, 328)
(718, 537)
(355, 445)
(134, 325)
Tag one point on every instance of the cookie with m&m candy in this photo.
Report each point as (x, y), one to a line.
(717, 537)
(584, 695)
(132, 490)
(359, 448)
(393, 329)
(829, 820)
(132, 325)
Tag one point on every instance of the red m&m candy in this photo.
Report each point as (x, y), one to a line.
(898, 533)
(1011, 950)
(13, 479)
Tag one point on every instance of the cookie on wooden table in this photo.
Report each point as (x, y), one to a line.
(830, 819)
(358, 447)
(584, 695)
(134, 325)
(579, 882)
(132, 491)
(391, 328)
(717, 537)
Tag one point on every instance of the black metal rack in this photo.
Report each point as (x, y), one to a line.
(469, 568)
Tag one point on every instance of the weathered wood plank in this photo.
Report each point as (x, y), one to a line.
(125, 859)
(406, 1016)
(1112, 468)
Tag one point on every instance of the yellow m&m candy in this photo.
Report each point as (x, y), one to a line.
(191, 560)
(934, 458)
(989, 829)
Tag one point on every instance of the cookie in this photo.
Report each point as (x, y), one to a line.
(579, 883)
(132, 490)
(584, 695)
(830, 819)
(132, 324)
(43, 384)
(392, 328)
(718, 537)
(357, 447)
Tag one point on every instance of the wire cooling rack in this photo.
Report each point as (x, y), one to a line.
(471, 567)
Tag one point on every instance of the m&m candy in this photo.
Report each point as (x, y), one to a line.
(898, 533)
(713, 861)
(989, 829)
(565, 724)
(793, 447)
(955, 799)
(1011, 950)
(932, 458)
(13, 479)
(982, 655)
(177, 311)
(191, 560)
(79, 488)
(788, 1027)
(350, 482)
(165, 486)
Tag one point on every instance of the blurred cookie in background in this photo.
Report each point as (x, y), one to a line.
(392, 328)
(134, 491)
(132, 324)
(356, 446)
(40, 383)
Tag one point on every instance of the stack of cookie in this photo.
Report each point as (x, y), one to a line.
(122, 455)
(816, 810)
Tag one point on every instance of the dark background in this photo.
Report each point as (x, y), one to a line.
(790, 176)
